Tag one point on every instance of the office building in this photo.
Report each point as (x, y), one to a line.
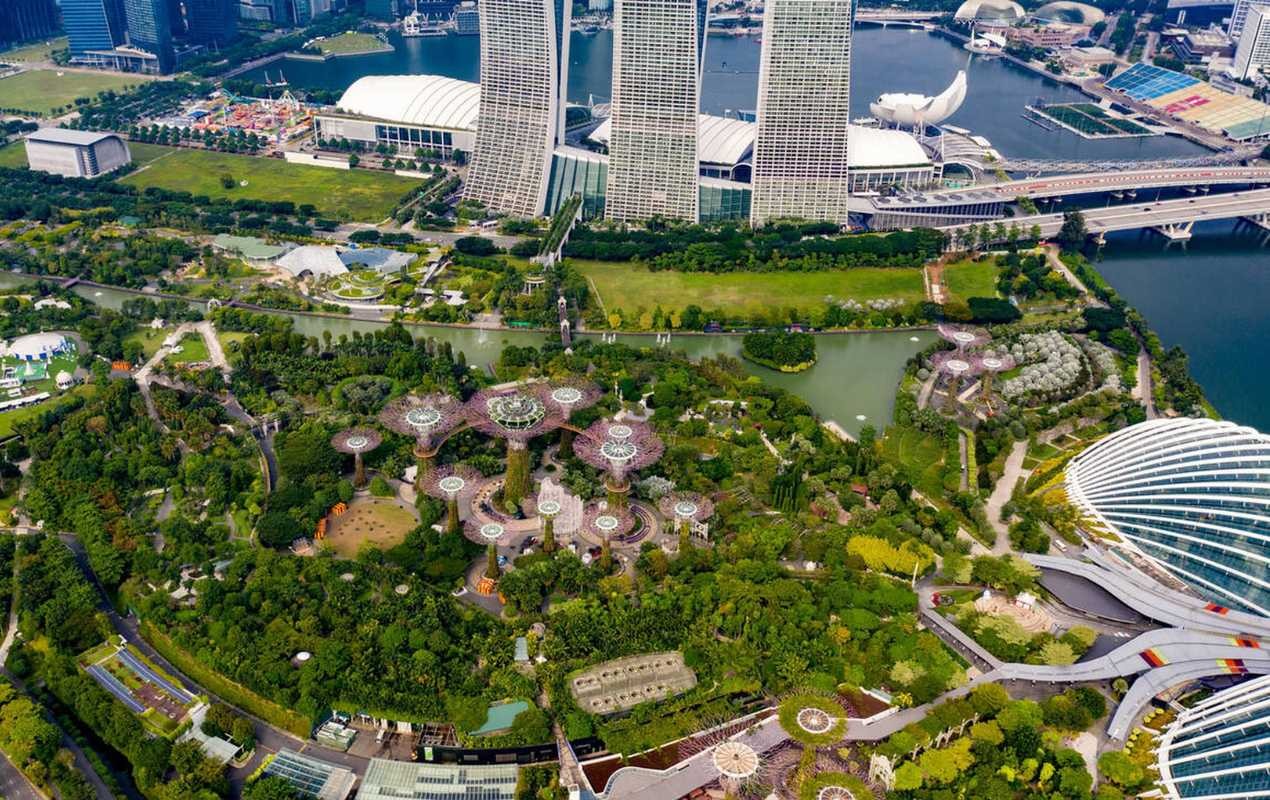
(24, 20)
(467, 19)
(150, 30)
(1217, 747)
(76, 154)
(657, 54)
(1192, 496)
(213, 23)
(1238, 16)
(93, 25)
(524, 69)
(1252, 56)
(800, 153)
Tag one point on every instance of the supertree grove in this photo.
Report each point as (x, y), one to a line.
(427, 418)
(515, 415)
(447, 483)
(357, 441)
(619, 448)
(962, 338)
(547, 511)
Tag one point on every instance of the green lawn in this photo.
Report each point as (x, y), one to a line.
(348, 195)
(629, 286)
(351, 42)
(10, 418)
(13, 155)
(149, 339)
(921, 454)
(40, 51)
(966, 279)
(193, 348)
(44, 91)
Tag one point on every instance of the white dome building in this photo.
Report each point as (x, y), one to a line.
(1066, 11)
(1192, 496)
(1217, 748)
(990, 12)
(919, 110)
(37, 347)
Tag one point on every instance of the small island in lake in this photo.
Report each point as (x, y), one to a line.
(780, 350)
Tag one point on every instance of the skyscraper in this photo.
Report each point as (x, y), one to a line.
(800, 147)
(1238, 14)
(93, 25)
(211, 22)
(524, 69)
(150, 29)
(1253, 53)
(22, 20)
(657, 55)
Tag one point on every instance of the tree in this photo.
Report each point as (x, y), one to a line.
(1071, 237)
(270, 787)
(908, 777)
(353, 159)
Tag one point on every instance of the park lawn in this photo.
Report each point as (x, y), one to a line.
(40, 51)
(351, 42)
(346, 195)
(8, 419)
(630, 286)
(378, 522)
(966, 279)
(13, 155)
(149, 339)
(922, 456)
(193, 348)
(44, 91)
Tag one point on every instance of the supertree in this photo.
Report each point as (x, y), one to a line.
(739, 769)
(569, 395)
(990, 364)
(547, 511)
(962, 338)
(492, 570)
(486, 533)
(515, 415)
(619, 448)
(685, 508)
(604, 524)
(446, 483)
(428, 418)
(357, 441)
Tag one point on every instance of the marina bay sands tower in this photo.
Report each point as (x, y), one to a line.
(800, 149)
(658, 46)
(524, 76)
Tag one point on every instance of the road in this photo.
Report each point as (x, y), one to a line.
(1119, 181)
(13, 784)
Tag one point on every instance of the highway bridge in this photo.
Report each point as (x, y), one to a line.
(1172, 218)
(1122, 181)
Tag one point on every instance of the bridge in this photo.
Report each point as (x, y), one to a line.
(895, 15)
(1127, 180)
(1036, 166)
(1172, 218)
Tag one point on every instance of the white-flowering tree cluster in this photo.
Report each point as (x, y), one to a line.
(1052, 366)
(1104, 361)
(878, 304)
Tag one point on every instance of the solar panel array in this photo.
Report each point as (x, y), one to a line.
(1145, 82)
(1186, 98)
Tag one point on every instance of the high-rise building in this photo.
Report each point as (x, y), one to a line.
(800, 150)
(1238, 15)
(150, 29)
(211, 22)
(524, 69)
(93, 25)
(1253, 53)
(23, 20)
(658, 46)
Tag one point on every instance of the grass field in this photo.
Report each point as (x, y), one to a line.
(921, 454)
(352, 195)
(379, 521)
(966, 279)
(149, 339)
(193, 348)
(43, 91)
(13, 155)
(41, 51)
(351, 42)
(10, 418)
(628, 287)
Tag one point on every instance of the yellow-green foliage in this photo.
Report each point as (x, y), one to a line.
(879, 554)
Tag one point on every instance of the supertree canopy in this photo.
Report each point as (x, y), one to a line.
(962, 338)
(517, 415)
(685, 508)
(447, 483)
(569, 395)
(619, 448)
(357, 441)
(427, 418)
(607, 523)
(484, 533)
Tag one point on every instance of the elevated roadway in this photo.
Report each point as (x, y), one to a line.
(1173, 218)
(1120, 181)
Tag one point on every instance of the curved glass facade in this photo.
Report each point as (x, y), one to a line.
(1220, 748)
(1191, 494)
